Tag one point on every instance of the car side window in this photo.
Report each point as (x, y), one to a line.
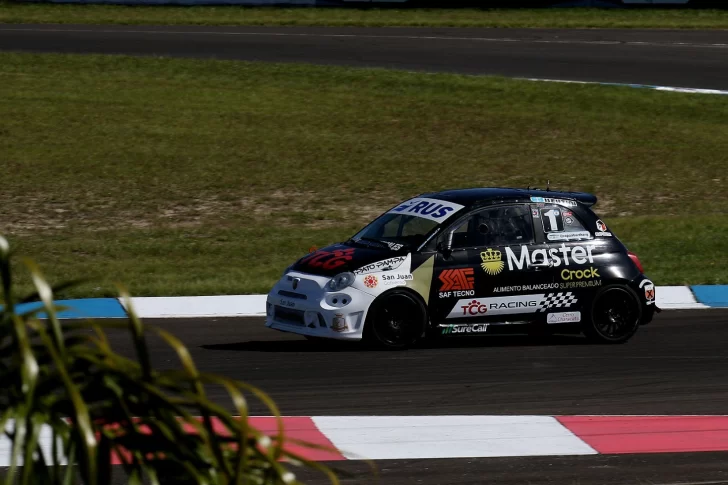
(561, 224)
(463, 235)
(495, 226)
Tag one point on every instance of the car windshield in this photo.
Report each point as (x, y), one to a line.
(394, 231)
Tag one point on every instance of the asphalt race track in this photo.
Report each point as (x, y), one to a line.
(676, 365)
(692, 59)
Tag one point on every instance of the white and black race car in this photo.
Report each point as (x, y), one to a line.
(468, 262)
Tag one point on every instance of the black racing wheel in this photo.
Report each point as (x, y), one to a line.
(396, 320)
(615, 315)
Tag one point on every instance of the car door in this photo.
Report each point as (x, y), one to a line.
(574, 265)
(487, 268)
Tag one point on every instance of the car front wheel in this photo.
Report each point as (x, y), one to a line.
(396, 320)
(615, 315)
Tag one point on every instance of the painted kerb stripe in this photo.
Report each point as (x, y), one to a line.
(430, 437)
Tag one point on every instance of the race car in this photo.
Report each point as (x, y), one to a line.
(468, 262)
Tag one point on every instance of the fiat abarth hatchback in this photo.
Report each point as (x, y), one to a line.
(468, 262)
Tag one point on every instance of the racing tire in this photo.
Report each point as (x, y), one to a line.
(615, 315)
(396, 320)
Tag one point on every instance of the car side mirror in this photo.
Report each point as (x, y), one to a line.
(444, 248)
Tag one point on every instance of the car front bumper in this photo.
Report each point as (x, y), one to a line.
(311, 309)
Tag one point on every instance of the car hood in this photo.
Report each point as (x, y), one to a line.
(341, 257)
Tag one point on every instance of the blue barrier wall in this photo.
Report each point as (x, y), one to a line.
(711, 295)
(82, 308)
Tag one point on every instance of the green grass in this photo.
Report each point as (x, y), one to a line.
(232, 15)
(203, 177)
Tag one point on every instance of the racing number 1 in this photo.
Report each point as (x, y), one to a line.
(552, 220)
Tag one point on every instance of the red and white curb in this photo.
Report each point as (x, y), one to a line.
(429, 437)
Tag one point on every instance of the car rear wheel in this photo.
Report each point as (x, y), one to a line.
(615, 315)
(396, 320)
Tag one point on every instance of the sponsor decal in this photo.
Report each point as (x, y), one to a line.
(328, 259)
(564, 202)
(457, 279)
(579, 274)
(564, 317)
(460, 328)
(568, 220)
(473, 308)
(547, 286)
(568, 236)
(559, 256)
(288, 303)
(504, 305)
(534, 213)
(338, 324)
(384, 265)
(580, 284)
(370, 281)
(394, 246)
(649, 288)
(602, 230)
(432, 209)
(509, 289)
(557, 300)
(492, 261)
(568, 213)
(396, 279)
(548, 200)
(456, 293)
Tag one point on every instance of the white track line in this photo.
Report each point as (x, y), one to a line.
(633, 85)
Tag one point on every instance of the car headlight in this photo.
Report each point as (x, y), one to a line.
(341, 281)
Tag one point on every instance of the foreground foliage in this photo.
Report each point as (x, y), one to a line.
(64, 379)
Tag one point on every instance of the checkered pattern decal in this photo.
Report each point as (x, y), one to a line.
(556, 300)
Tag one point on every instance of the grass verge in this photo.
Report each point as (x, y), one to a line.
(233, 15)
(209, 177)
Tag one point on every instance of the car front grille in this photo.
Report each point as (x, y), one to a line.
(289, 316)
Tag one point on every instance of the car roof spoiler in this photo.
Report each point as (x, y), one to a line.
(582, 197)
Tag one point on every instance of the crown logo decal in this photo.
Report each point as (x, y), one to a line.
(492, 261)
